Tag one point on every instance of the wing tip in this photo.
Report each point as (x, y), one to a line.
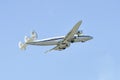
(80, 21)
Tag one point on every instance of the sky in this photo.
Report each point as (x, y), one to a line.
(97, 59)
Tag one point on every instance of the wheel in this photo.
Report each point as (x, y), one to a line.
(82, 41)
(72, 41)
(63, 48)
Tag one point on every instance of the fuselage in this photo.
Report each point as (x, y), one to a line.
(57, 40)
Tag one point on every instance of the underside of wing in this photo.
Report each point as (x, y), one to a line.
(55, 48)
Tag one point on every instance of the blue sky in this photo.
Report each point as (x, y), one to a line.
(97, 59)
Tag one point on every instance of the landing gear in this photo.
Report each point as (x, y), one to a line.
(72, 41)
(82, 41)
(63, 48)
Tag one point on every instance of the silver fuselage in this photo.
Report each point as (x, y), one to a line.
(57, 40)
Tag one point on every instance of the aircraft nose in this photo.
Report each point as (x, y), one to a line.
(90, 37)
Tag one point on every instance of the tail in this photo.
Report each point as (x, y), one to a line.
(33, 37)
(22, 46)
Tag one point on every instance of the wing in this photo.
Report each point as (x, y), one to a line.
(69, 36)
(55, 48)
(72, 32)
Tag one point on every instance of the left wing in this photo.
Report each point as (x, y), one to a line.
(69, 36)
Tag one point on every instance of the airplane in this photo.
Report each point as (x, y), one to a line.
(60, 42)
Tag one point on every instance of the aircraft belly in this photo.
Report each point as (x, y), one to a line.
(79, 39)
(49, 43)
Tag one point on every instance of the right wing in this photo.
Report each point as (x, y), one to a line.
(55, 48)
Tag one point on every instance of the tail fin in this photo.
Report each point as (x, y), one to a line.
(33, 37)
(22, 46)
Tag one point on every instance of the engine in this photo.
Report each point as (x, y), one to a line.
(79, 33)
(63, 46)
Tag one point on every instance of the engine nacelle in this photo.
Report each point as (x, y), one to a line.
(63, 46)
(79, 32)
